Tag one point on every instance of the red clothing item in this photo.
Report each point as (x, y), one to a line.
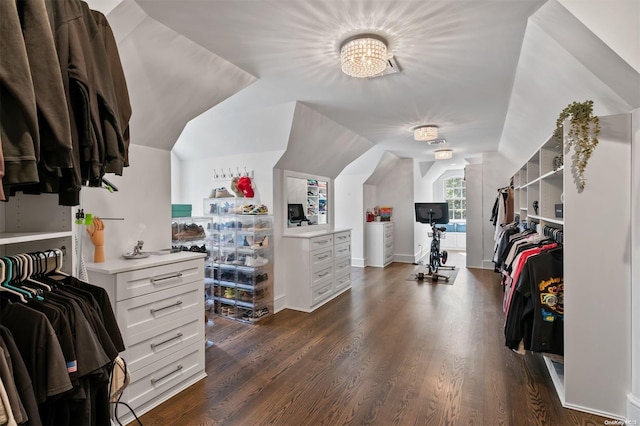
(521, 261)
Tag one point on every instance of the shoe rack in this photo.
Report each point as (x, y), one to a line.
(239, 269)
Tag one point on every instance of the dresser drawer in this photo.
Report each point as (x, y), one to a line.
(169, 372)
(159, 310)
(342, 250)
(342, 281)
(150, 280)
(321, 292)
(320, 258)
(388, 258)
(321, 276)
(316, 243)
(342, 237)
(341, 265)
(151, 345)
(388, 247)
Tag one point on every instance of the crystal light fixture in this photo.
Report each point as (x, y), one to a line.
(425, 133)
(444, 154)
(363, 55)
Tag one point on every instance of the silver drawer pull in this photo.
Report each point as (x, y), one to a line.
(154, 381)
(154, 310)
(324, 291)
(343, 250)
(344, 281)
(323, 257)
(155, 280)
(155, 345)
(342, 265)
(324, 274)
(321, 242)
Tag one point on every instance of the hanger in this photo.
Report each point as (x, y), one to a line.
(6, 290)
(30, 261)
(58, 259)
(9, 277)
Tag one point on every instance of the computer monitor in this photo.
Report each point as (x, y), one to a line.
(436, 212)
(296, 213)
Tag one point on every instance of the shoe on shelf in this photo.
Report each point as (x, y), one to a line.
(263, 243)
(234, 188)
(256, 261)
(260, 209)
(221, 193)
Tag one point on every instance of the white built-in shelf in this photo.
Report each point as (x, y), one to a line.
(556, 371)
(556, 220)
(544, 176)
(25, 237)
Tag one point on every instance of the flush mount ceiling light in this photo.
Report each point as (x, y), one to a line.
(444, 154)
(427, 132)
(363, 55)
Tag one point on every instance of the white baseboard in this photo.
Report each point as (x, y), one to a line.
(279, 303)
(403, 258)
(633, 409)
(358, 263)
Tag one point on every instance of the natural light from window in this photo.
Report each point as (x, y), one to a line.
(455, 193)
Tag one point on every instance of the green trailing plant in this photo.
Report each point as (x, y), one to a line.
(582, 135)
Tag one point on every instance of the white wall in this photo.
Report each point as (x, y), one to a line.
(496, 173)
(349, 204)
(143, 199)
(475, 217)
(633, 398)
(198, 177)
(396, 190)
(422, 193)
(613, 21)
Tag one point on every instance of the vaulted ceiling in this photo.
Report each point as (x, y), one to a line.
(480, 70)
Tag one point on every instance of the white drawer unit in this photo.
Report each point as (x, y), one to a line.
(319, 268)
(379, 243)
(159, 305)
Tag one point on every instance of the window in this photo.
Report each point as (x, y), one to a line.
(455, 193)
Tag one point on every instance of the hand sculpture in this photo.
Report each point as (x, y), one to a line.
(96, 233)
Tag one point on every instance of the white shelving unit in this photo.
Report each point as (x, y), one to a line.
(592, 378)
(36, 222)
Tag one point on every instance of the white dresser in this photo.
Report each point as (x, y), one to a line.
(318, 267)
(159, 305)
(379, 243)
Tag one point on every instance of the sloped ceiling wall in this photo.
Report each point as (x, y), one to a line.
(170, 78)
(555, 70)
(314, 142)
(214, 134)
(386, 164)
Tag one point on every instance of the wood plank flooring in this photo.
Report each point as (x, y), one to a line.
(388, 352)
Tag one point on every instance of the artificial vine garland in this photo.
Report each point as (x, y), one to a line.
(582, 135)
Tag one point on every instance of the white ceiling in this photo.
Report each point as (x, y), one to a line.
(458, 61)
(479, 69)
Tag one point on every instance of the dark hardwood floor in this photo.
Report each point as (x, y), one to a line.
(388, 352)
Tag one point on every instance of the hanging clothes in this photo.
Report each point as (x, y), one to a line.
(67, 338)
(535, 317)
(60, 53)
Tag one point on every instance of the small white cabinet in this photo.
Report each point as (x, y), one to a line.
(159, 305)
(379, 240)
(319, 268)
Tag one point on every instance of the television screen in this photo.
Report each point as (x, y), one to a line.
(436, 212)
(296, 213)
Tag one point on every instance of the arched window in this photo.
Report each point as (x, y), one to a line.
(455, 193)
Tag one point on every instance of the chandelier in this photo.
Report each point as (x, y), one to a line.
(443, 154)
(363, 55)
(425, 133)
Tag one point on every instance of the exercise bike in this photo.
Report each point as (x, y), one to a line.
(437, 258)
